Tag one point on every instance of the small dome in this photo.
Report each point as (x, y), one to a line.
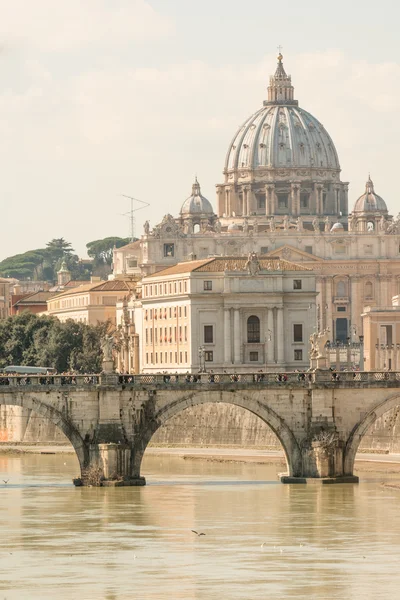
(369, 201)
(337, 228)
(233, 227)
(196, 204)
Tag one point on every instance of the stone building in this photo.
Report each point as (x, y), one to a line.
(90, 302)
(232, 313)
(382, 337)
(282, 197)
(5, 293)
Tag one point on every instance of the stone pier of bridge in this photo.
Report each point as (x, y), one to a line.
(110, 420)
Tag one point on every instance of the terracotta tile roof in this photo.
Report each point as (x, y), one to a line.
(35, 298)
(116, 285)
(227, 263)
(217, 265)
(73, 283)
(185, 267)
(131, 246)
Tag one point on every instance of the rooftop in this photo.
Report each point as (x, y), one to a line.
(227, 263)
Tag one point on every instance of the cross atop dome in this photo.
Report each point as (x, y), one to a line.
(280, 89)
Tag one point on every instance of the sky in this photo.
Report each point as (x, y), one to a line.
(100, 98)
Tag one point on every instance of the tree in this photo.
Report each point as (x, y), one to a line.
(102, 250)
(27, 339)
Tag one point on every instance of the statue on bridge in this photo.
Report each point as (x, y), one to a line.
(107, 345)
(318, 354)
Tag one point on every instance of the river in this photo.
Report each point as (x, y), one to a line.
(60, 542)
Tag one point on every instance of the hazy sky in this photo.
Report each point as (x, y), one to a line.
(106, 97)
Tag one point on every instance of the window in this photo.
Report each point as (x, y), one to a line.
(185, 286)
(184, 311)
(297, 332)
(264, 250)
(341, 288)
(260, 201)
(368, 290)
(180, 311)
(283, 200)
(340, 249)
(169, 250)
(208, 334)
(253, 330)
(297, 284)
(304, 199)
(298, 354)
(207, 285)
(253, 356)
(308, 249)
(185, 357)
(147, 357)
(341, 309)
(208, 356)
(185, 333)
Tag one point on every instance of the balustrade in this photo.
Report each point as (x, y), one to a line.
(181, 379)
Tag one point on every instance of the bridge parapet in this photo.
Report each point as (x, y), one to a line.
(325, 378)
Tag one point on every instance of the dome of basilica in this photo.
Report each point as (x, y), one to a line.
(196, 204)
(281, 134)
(370, 201)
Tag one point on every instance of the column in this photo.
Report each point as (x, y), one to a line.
(245, 211)
(328, 313)
(280, 335)
(270, 336)
(227, 202)
(319, 199)
(355, 309)
(220, 201)
(227, 336)
(236, 339)
(321, 313)
(269, 200)
(295, 198)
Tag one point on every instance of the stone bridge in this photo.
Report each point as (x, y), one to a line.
(110, 419)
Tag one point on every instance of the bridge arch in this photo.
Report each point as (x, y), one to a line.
(258, 407)
(56, 417)
(362, 427)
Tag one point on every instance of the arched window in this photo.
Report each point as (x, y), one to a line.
(253, 330)
(368, 290)
(341, 288)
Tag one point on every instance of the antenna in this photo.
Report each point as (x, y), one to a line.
(131, 213)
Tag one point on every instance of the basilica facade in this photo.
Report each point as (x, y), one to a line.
(282, 197)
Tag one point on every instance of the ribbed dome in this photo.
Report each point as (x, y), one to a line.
(196, 204)
(280, 134)
(282, 137)
(369, 201)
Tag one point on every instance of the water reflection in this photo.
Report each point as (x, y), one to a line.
(325, 542)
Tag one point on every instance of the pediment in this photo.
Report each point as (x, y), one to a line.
(295, 255)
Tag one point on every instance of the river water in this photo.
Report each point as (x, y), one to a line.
(60, 542)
